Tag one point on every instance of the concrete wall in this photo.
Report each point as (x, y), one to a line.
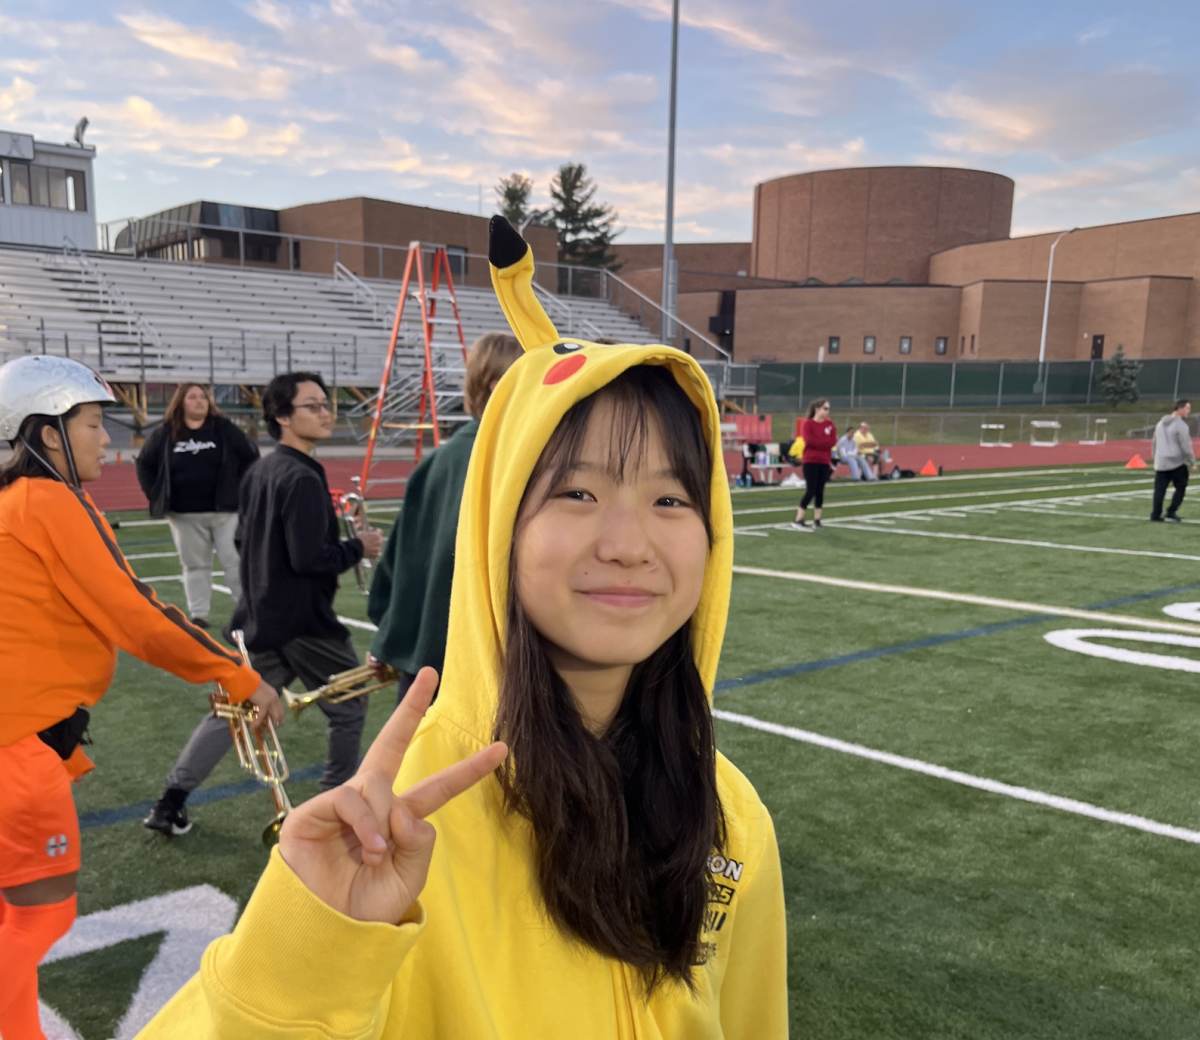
(791, 324)
(711, 257)
(873, 224)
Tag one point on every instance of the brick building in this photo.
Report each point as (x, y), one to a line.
(916, 263)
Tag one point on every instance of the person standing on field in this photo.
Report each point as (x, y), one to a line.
(820, 437)
(1173, 456)
(292, 554)
(190, 468)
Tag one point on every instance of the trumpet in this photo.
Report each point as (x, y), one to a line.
(352, 510)
(357, 682)
(258, 754)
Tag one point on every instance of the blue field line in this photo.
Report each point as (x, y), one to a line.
(221, 792)
(203, 796)
(921, 644)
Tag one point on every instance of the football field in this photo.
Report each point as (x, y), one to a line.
(969, 702)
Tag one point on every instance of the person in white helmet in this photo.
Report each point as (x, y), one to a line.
(68, 600)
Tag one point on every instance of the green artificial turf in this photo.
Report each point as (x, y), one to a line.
(917, 908)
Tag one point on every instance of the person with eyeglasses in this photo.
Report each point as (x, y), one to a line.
(292, 554)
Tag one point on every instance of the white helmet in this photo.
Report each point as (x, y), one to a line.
(44, 385)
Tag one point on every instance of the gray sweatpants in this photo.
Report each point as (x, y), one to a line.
(196, 536)
(312, 661)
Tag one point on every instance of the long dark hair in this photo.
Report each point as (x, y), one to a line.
(814, 404)
(23, 462)
(624, 823)
(173, 416)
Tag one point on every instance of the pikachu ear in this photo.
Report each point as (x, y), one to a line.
(511, 261)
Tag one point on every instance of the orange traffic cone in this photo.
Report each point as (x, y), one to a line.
(929, 469)
(1137, 462)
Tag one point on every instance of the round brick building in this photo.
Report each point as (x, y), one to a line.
(873, 225)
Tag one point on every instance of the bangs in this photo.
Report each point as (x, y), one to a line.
(644, 400)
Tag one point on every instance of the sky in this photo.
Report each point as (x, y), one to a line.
(1090, 107)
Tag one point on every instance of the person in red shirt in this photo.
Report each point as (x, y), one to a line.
(68, 600)
(820, 436)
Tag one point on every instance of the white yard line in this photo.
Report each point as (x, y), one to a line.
(939, 498)
(922, 514)
(965, 597)
(1093, 516)
(998, 474)
(153, 556)
(352, 622)
(846, 525)
(1024, 794)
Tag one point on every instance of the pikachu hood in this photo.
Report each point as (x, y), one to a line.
(482, 960)
(521, 415)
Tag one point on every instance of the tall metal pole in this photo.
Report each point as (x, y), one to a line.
(668, 296)
(1046, 313)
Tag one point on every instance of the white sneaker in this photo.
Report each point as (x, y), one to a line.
(800, 525)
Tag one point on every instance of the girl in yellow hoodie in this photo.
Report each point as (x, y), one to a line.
(600, 870)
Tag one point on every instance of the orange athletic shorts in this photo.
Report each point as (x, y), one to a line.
(39, 828)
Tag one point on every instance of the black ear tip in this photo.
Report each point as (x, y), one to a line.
(505, 246)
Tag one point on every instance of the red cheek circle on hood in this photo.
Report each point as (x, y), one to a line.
(566, 368)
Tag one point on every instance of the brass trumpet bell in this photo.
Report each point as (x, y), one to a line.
(258, 754)
(356, 682)
(352, 511)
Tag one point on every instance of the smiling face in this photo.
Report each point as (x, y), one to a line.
(607, 565)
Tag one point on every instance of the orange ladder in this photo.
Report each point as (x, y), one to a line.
(440, 287)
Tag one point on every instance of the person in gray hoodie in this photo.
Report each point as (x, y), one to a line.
(1172, 450)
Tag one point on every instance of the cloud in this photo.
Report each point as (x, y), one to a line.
(180, 41)
(1032, 104)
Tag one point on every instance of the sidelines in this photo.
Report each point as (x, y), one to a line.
(979, 601)
(1024, 794)
(849, 525)
(938, 498)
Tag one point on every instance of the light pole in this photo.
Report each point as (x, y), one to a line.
(669, 286)
(1037, 387)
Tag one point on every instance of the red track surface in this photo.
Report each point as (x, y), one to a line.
(118, 488)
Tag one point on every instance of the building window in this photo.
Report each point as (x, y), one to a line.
(906, 344)
(962, 346)
(18, 173)
(868, 344)
(34, 185)
(457, 256)
(835, 344)
(972, 343)
(295, 255)
(940, 344)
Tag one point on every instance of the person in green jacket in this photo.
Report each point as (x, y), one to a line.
(410, 593)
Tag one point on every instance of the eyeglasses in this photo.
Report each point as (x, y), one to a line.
(316, 409)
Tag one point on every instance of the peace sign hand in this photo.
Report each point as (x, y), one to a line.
(361, 849)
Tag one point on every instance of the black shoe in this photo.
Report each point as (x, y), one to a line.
(1173, 518)
(169, 815)
(201, 622)
(816, 523)
(1156, 519)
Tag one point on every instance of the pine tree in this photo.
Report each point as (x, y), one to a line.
(586, 228)
(1118, 381)
(513, 194)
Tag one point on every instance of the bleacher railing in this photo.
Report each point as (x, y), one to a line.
(386, 262)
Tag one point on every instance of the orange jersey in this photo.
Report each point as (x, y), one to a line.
(69, 599)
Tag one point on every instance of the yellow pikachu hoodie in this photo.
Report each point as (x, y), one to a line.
(484, 962)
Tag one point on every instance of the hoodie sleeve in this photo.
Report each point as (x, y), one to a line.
(754, 997)
(149, 462)
(293, 968)
(77, 547)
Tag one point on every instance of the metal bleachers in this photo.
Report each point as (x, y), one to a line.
(145, 320)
